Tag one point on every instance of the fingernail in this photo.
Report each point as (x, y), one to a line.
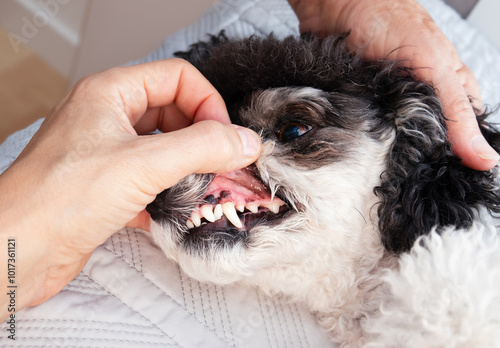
(484, 150)
(250, 140)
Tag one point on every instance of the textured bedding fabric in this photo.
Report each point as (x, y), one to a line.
(130, 295)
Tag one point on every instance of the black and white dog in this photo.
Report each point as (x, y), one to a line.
(357, 206)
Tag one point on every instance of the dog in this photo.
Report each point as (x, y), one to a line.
(357, 206)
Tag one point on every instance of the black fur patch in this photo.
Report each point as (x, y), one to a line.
(176, 204)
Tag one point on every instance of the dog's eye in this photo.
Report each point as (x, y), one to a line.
(293, 130)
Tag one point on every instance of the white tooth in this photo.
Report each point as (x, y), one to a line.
(196, 218)
(218, 212)
(230, 212)
(274, 206)
(254, 208)
(189, 224)
(241, 207)
(207, 212)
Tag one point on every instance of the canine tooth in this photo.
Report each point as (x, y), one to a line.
(207, 212)
(230, 212)
(196, 218)
(218, 212)
(189, 224)
(254, 208)
(241, 207)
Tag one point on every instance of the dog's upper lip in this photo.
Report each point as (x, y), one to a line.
(243, 185)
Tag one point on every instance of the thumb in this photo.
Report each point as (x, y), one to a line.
(204, 147)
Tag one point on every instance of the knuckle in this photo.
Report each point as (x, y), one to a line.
(461, 106)
(180, 61)
(97, 80)
(85, 84)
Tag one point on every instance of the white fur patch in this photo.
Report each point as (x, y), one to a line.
(446, 293)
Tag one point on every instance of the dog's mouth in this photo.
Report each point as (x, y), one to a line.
(234, 203)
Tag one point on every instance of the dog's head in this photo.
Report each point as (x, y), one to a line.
(356, 163)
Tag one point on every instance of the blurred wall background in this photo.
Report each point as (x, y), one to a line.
(77, 37)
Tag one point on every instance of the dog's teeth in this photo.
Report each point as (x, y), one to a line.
(218, 212)
(196, 218)
(241, 207)
(207, 212)
(189, 224)
(274, 206)
(254, 208)
(230, 212)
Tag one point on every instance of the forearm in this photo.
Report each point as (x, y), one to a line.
(18, 275)
(22, 252)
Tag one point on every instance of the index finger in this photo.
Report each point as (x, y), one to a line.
(463, 129)
(152, 87)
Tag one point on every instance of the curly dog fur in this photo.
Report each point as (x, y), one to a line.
(357, 206)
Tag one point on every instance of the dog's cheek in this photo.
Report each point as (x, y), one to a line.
(167, 237)
(171, 209)
(174, 205)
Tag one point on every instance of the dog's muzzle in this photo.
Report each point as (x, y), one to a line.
(234, 203)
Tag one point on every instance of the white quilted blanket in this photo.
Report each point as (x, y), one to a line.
(130, 295)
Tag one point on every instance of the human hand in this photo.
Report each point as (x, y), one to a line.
(404, 31)
(86, 173)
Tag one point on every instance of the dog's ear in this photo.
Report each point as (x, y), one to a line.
(425, 185)
(199, 52)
